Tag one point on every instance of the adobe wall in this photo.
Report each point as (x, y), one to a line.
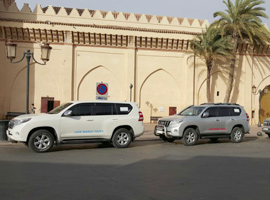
(150, 52)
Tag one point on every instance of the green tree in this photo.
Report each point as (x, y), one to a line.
(210, 46)
(242, 21)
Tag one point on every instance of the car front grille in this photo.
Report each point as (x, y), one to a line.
(164, 123)
(266, 123)
(11, 124)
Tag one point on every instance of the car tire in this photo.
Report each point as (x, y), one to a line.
(190, 137)
(237, 135)
(41, 141)
(268, 134)
(170, 140)
(165, 139)
(121, 138)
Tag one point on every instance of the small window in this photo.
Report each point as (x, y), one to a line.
(83, 109)
(123, 109)
(224, 111)
(235, 111)
(212, 111)
(105, 109)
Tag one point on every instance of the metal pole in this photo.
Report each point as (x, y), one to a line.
(130, 87)
(260, 93)
(28, 56)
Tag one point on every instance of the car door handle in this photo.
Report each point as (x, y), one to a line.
(217, 120)
(90, 120)
(232, 119)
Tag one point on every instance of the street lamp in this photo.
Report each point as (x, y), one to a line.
(265, 91)
(45, 56)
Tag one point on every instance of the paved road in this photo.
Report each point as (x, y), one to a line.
(149, 169)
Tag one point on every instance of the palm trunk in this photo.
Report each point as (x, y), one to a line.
(230, 81)
(209, 68)
(231, 73)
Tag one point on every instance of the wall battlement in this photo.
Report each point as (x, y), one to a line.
(100, 17)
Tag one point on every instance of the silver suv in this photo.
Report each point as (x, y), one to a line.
(266, 126)
(210, 121)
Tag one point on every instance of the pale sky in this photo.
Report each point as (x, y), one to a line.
(200, 9)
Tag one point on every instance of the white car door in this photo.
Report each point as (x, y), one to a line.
(80, 124)
(105, 119)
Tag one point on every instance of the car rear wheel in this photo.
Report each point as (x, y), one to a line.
(41, 141)
(121, 138)
(237, 135)
(190, 137)
(268, 134)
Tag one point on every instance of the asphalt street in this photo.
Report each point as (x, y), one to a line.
(148, 169)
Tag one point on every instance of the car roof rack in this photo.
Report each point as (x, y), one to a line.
(220, 104)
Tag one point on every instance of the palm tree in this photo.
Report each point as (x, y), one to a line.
(242, 21)
(210, 46)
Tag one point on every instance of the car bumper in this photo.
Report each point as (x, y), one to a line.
(163, 130)
(266, 130)
(14, 136)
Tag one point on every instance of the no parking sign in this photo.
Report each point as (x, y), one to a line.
(102, 91)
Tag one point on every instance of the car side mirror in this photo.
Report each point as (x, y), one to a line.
(206, 114)
(67, 113)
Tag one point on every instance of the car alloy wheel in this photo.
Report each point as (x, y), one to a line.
(237, 135)
(41, 141)
(190, 137)
(121, 138)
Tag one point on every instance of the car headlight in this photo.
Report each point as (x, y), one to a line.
(176, 122)
(20, 121)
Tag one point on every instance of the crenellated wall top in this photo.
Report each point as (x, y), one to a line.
(97, 17)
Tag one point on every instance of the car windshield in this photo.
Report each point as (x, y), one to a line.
(192, 111)
(59, 108)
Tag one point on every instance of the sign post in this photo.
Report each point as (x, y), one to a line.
(102, 91)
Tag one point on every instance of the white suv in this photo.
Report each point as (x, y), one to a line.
(118, 123)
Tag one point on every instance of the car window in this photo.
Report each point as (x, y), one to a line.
(235, 111)
(104, 109)
(191, 111)
(123, 109)
(59, 108)
(83, 109)
(224, 111)
(212, 111)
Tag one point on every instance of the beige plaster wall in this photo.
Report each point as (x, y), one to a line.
(161, 78)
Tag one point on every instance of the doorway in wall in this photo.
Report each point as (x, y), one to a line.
(172, 110)
(48, 103)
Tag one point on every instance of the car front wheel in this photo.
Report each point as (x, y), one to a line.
(190, 137)
(237, 135)
(41, 141)
(121, 138)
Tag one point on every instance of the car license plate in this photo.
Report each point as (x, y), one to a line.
(265, 129)
(159, 131)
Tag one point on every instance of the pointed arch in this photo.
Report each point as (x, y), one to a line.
(151, 74)
(89, 72)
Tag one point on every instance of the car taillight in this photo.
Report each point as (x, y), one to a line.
(247, 117)
(140, 116)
